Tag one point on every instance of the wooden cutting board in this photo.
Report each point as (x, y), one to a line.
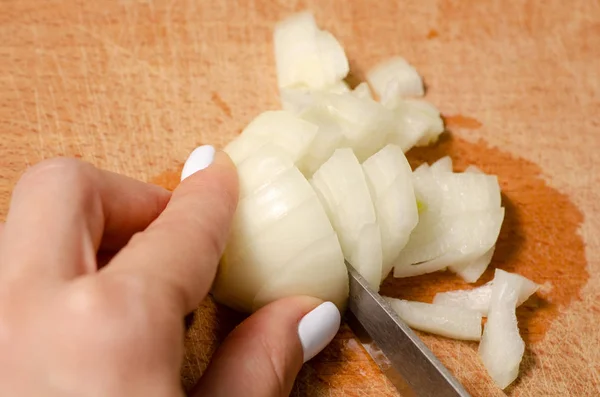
(134, 85)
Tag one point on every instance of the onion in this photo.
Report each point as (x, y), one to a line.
(448, 321)
(479, 298)
(319, 271)
(417, 123)
(365, 123)
(389, 177)
(341, 186)
(294, 139)
(501, 348)
(274, 227)
(306, 55)
(395, 78)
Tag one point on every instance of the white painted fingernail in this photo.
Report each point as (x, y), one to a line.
(318, 328)
(200, 158)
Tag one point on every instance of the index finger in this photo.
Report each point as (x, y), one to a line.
(179, 252)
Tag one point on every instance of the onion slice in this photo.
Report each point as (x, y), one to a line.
(451, 322)
(342, 188)
(501, 348)
(479, 298)
(389, 177)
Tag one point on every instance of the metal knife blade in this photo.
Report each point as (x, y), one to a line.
(421, 373)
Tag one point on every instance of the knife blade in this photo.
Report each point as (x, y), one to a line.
(409, 364)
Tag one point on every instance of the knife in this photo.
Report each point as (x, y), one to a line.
(408, 363)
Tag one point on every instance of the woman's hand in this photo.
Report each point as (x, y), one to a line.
(69, 327)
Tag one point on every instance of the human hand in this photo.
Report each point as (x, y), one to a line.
(69, 327)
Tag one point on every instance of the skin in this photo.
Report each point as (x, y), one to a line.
(70, 326)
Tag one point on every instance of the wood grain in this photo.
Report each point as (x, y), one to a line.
(134, 85)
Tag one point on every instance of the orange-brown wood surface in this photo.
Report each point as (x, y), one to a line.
(134, 85)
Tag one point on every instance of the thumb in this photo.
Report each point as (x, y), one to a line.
(263, 355)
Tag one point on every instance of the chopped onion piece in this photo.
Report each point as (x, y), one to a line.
(366, 124)
(479, 298)
(473, 270)
(319, 271)
(389, 177)
(438, 242)
(306, 55)
(395, 78)
(448, 321)
(417, 123)
(342, 188)
(501, 348)
(442, 165)
(292, 134)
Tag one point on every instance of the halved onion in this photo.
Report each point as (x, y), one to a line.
(389, 178)
(395, 78)
(501, 348)
(342, 188)
(479, 298)
(273, 227)
(451, 322)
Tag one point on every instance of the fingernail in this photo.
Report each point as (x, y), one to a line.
(200, 158)
(317, 329)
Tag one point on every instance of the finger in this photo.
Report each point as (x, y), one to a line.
(62, 208)
(180, 251)
(262, 356)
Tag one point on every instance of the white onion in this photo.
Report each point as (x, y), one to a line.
(318, 271)
(479, 298)
(281, 128)
(306, 55)
(438, 242)
(389, 177)
(448, 321)
(341, 186)
(417, 123)
(501, 348)
(471, 271)
(395, 78)
(330, 136)
(273, 227)
(365, 123)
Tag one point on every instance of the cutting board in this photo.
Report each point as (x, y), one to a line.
(134, 85)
